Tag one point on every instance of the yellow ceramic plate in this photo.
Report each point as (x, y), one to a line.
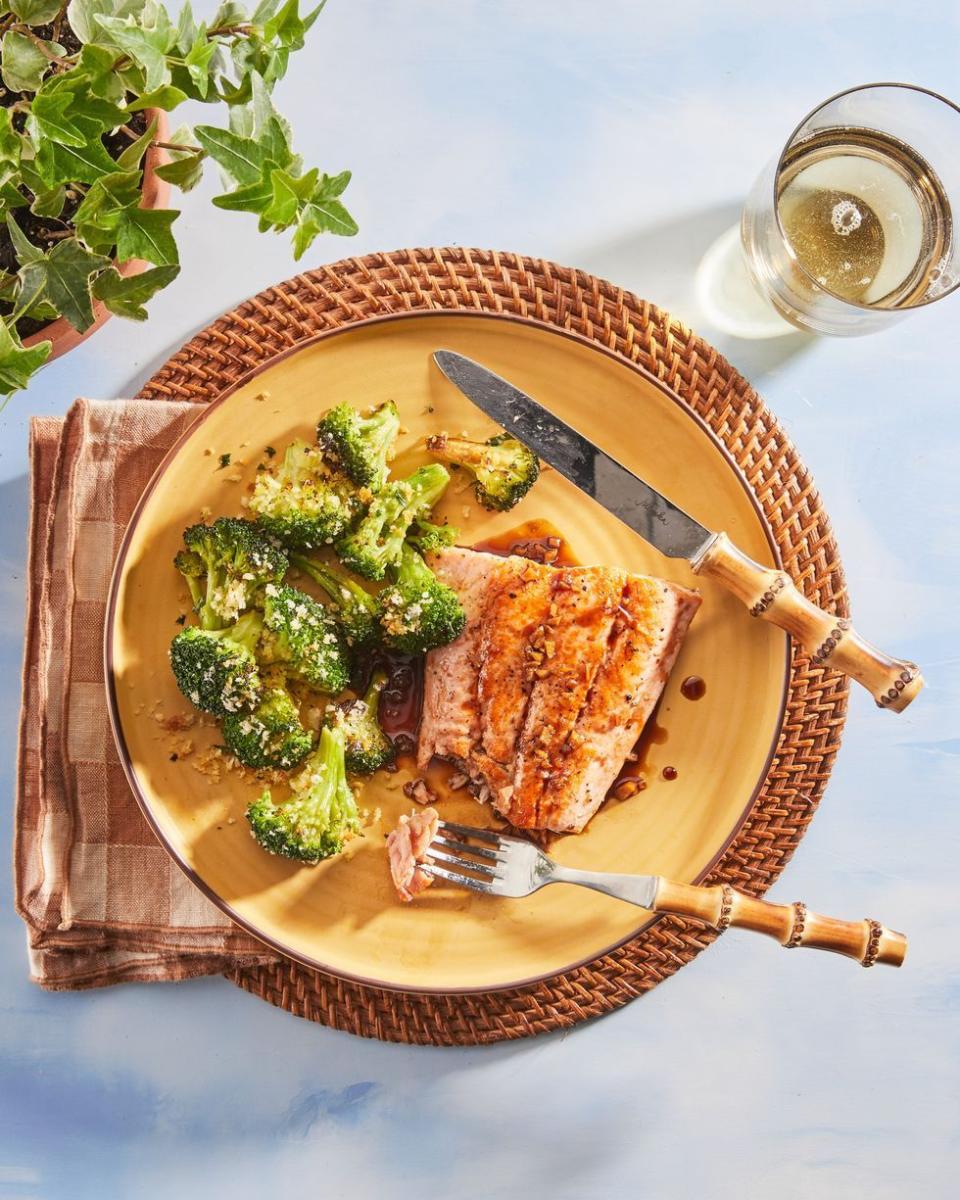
(343, 916)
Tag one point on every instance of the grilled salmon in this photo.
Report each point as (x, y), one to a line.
(406, 848)
(545, 693)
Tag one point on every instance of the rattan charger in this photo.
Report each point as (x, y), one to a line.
(355, 290)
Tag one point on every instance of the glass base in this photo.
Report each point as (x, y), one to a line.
(728, 297)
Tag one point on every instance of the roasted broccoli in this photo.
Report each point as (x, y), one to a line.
(321, 813)
(360, 445)
(418, 612)
(356, 609)
(216, 669)
(224, 565)
(429, 538)
(504, 469)
(366, 747)
(302, 503)
(375, 544)
(271, 735)
(302, 637)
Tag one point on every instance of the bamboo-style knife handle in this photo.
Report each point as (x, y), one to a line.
(829, 640)
(792, 925)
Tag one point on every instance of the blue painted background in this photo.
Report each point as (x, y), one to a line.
(620, 138)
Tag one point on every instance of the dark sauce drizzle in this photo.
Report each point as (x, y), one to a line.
(693, 688)
(401, 699)
(538, 540)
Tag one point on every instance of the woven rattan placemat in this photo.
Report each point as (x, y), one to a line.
(473, 281)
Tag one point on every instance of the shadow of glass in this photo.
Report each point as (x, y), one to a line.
(660, 264)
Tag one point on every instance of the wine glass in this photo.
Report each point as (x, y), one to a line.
(850, 227)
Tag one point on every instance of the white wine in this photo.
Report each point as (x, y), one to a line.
(866, 217)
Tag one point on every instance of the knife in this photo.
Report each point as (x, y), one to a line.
(768, 593)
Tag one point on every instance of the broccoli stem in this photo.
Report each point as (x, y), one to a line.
(246, 631)
(371, 697)
(333, 582)
(428, 484)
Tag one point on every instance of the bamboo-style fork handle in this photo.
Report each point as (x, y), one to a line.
(829, 640)
(792, 925)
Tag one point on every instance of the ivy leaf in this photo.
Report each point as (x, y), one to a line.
(166, 97)
(65, 273)
(251, 56)
(186, 28)
(35, 12)
(93, 74)
(31, 286)
(145, 233)
(197, 62)
(241, 157)
(22, 62)
(125, 296)
(49, 203)
(69, 114)
(288, 27)
(147, 44)
(16, 364)
(48, 118)
(252, 197)
(289, 196)
(82, 14)
(73, 164)
(11, 146)
(229, 13)
(264, 11)
(99, 216)
(10, 197)
(331, 186)
(333, 218)
(185, 168)
(129, 160)
(23, 248)
(327, 216)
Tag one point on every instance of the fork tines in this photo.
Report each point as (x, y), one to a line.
(467, 865)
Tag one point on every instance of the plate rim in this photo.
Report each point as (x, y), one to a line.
(117, 573)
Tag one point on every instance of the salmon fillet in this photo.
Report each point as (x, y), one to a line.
(567, 654)
(518, 606)
(649, 629)
(543, 696)
(450, 721)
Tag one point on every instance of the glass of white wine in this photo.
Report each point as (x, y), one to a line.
(851, 226)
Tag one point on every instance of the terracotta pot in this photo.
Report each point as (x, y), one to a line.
(155, 195)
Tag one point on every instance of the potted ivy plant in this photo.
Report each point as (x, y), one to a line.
(87, 161)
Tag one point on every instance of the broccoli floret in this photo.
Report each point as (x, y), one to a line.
(366, 747)
(417, 611)
(429, 538)
(360, 445)
(302, 637)
(356, 609)
(376, 542)
(302, 503)
(216, 669)
(234, 558)
(504, 469)
(271, 735)
(321, 813)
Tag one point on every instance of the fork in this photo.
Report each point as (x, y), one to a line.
(500, 865)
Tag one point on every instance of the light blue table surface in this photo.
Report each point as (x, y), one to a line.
(620, 138)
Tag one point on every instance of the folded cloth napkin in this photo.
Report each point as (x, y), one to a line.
(102, 900)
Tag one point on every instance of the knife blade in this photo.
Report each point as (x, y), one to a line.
(767, 592)
(658, 520)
